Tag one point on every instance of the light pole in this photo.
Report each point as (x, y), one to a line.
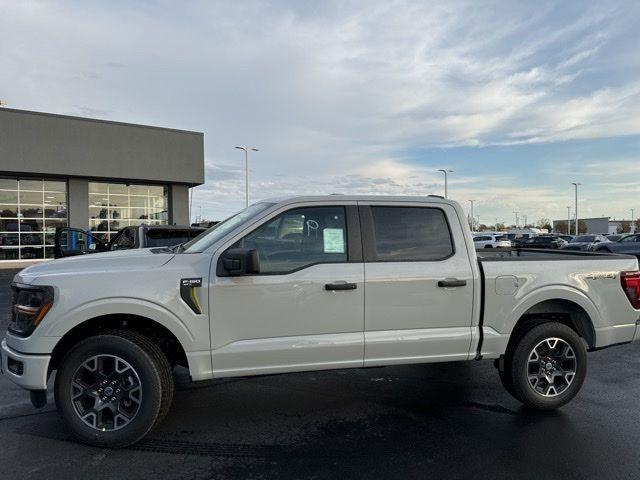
(516, 214)
(576, 185)
(568, 219)
(446, 184)
(632, 227)
(472, 217)
(246, 169)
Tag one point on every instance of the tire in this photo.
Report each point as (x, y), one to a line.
(551, 351)
(114, 388)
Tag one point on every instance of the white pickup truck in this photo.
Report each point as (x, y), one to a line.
(309, 283)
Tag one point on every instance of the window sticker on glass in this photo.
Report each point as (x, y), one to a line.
(333, 240)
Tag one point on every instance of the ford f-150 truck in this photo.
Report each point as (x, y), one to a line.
(309, 283)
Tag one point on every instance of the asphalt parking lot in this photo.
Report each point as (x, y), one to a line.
(423, 421)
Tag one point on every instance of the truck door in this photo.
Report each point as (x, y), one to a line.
(418, 283)
(304, 309)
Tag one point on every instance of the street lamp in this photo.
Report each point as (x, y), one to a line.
(446, 185)
(246, 169)
(472, 217)
(568, 219)
(632, 228)
(576, 185)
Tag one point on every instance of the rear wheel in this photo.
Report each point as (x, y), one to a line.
(112, 389)
(547, 367)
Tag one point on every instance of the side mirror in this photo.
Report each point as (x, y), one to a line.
(238, 261)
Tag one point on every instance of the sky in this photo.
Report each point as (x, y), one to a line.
(519, 99)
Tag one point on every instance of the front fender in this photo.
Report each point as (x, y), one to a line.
(123, 306)
(53, 328)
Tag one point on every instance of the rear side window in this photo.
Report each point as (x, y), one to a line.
(410, 234)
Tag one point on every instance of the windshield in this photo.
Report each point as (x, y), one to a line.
(219, 230)
(583, 239)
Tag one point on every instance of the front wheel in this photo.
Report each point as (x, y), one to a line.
(547, 367)
(112, 389)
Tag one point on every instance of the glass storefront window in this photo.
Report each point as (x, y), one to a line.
(113, 206)
(30, 211)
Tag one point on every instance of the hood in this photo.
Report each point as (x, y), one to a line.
(124, 260)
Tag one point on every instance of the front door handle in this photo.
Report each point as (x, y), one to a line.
(452, 282)
(340, 286)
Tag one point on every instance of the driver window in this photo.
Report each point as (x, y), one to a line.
(299, 238)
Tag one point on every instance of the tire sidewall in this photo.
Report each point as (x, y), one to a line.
(150, 380)
(520, 359)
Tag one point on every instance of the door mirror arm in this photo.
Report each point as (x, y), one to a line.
(236, 262)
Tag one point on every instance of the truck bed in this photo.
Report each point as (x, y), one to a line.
(510, 254)
(515, 280)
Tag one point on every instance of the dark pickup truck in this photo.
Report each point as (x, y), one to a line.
(74, 241)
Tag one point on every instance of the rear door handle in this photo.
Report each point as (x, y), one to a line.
(452, 282)
(340, 286)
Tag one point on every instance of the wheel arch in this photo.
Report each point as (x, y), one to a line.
(155, 331)
(561, 310)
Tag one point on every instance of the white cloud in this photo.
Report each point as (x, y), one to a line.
(337, 95)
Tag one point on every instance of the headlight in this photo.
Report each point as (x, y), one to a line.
(30, 304)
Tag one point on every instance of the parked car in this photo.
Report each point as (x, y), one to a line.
(542, 241)
(491, 241)
(70, 242)
(280, 287)
(566, 238)
(584, 242)
(628, 244)
(614, 238)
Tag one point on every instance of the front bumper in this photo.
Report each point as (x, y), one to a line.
(28, 371)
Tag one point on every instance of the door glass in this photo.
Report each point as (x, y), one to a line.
(77, 240)
(410, 234)
(299, 238)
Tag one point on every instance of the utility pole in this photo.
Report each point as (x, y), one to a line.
(472, 217)
(576, 185)
(568, 219)
(446, 182)
(246, 169)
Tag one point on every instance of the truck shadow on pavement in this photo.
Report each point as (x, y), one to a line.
(451, 418)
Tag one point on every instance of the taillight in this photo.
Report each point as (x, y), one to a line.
(631, 286)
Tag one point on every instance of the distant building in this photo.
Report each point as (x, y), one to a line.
(58, 171)
(597, 225)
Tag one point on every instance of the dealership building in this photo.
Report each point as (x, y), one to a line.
(58, 170)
